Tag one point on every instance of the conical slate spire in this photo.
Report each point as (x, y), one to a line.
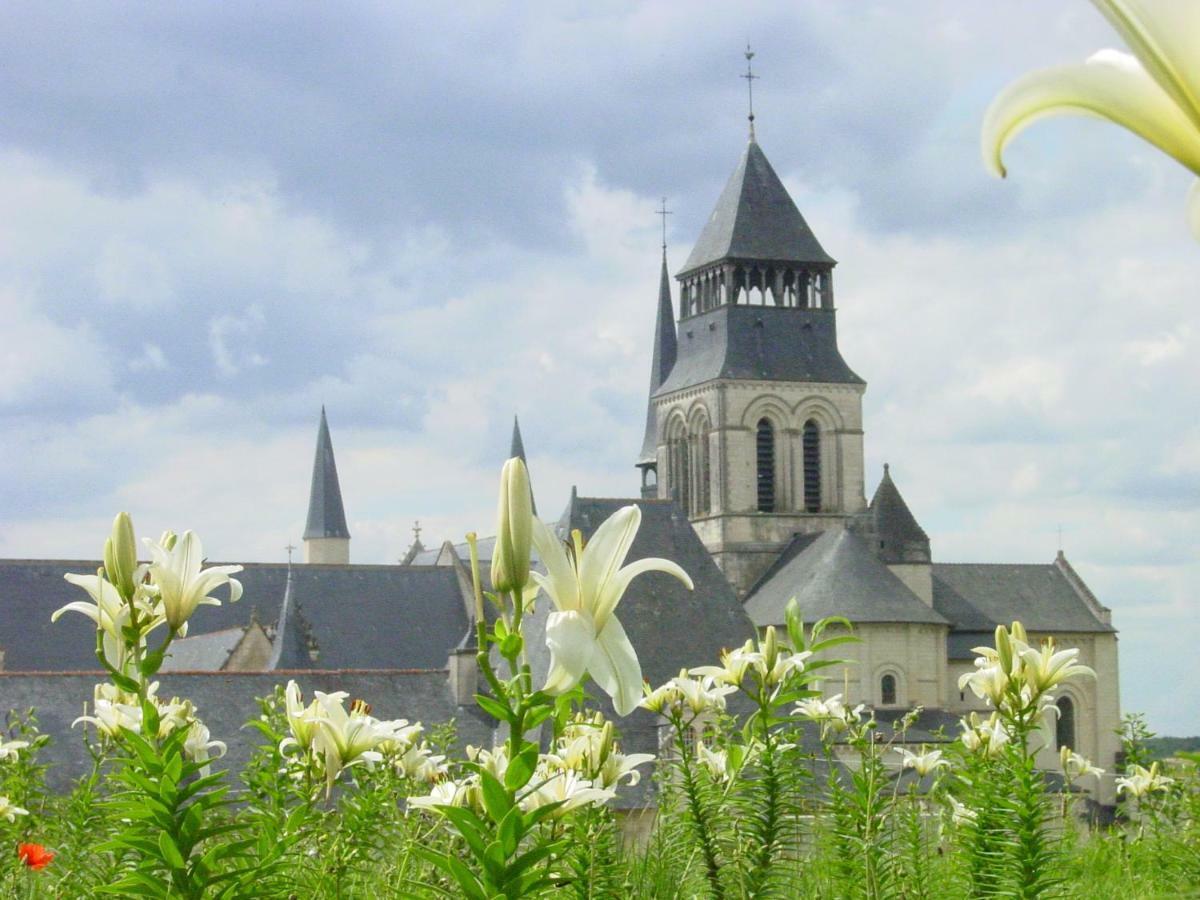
(326, 515)
(288, 649)
(517, 449)
(756, 219)
(900, 538)
(665, 350)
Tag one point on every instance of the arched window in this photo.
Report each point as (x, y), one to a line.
(705, 476)
(812, 467)
(765, 447)
(677, 474)
(887, 690)
(683, 482)
(1064, 729)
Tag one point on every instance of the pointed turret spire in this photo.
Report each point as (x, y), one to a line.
(326, 537)
(662, 361)
(517, 449)
(288, 650)
(900, 539)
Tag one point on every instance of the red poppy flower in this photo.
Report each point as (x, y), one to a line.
(35, 855)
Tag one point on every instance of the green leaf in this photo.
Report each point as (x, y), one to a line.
(521, 767)
(494, 708)
(170, 853)
(465, 878)
(469, 827)
(496, 800)
(512, 827)
(150, 716)
(152, 662)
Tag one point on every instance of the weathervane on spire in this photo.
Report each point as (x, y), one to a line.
(664, 212)
(750, 77)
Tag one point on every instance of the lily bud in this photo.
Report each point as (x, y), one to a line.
(514, 528)
(770, 648)
(120, 555)
(1004, 649)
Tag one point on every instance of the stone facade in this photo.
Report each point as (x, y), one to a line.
(725, 414)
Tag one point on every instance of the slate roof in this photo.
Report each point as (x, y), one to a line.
(326, 515)
(225, 701)
(836, 575)
(897, 536)
(203, 652)
(976, 597)
(759, 343)
(755, 218)
(662, 361)
(370, 617)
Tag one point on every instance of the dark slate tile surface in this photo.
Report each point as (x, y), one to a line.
(759, 343)
(755, 218)
(360, 616)
(225, 701)
(1039, 596)
(837, 575)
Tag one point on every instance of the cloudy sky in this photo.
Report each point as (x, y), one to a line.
(216, 218)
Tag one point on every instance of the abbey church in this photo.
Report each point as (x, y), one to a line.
(751, 477)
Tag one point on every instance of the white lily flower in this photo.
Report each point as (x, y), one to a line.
(715, 762)
(960, 814)
(199, 747)
(661, 698)
(987, 737)
(349, 739)
(444, 793)
(10, 811)
(924, 762)
(832, 714)
(1155, 93)
(301, 719)
(565, 787)
(584, 635)
(419, 763)
(734, 665)
(702, 694)
(1139, 781)
(1046, 668)
(8, 749)
(183, 584)
(1075, 765)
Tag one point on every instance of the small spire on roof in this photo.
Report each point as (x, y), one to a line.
(750, 77)
(517, 449)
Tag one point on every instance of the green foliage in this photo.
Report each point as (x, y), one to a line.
(168, 846)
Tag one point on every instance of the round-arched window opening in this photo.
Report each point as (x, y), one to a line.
(1064, 728)
(887, 690)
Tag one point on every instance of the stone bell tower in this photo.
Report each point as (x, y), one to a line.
(757, 426)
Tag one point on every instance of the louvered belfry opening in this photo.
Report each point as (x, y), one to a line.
(766, 466)
(812, 467)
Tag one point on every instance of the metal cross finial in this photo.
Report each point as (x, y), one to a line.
(417, 531)
(750, 77)
(289, 548)
(664, 212)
